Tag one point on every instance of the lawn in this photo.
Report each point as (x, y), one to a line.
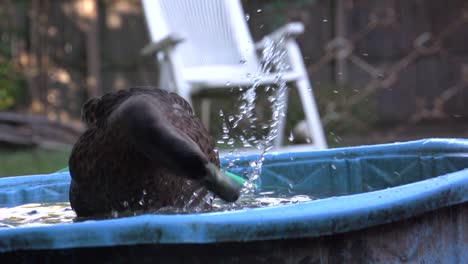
(31, 161)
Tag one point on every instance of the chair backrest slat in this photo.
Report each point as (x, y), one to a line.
(215, 31)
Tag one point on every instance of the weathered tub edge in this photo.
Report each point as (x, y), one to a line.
(309, 219)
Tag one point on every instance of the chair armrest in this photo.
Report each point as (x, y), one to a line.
(289, 30)
(163, 44)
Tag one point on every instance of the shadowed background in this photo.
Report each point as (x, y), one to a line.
(382, 71)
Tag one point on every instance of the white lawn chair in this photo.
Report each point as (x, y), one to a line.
(206, 44)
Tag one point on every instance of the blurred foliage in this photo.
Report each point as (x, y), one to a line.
(11, 85)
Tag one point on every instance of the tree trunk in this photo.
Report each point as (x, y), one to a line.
(92, 49)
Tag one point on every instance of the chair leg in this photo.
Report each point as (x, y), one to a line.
(311, 113)
(166, 80)
(205, 106)
(279, 139)
(206, 112)
(305, 91)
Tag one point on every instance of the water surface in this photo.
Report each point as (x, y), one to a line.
(39, 214)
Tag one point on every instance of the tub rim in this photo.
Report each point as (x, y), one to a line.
(309, 219)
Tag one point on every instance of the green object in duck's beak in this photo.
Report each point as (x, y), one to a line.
(235, 177)
(222, 185)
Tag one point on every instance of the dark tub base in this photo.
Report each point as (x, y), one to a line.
(439, 236)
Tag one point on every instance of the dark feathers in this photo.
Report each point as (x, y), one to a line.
(111, 172)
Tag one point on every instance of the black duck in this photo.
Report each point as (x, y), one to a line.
(143, 149)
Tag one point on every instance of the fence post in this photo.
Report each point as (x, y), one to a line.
(340, 33)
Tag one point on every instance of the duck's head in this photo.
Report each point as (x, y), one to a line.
(145, 123)
(88, 111)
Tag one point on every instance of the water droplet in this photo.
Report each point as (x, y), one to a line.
(365, 54)
(225, 129)
(221, 113)
(308, 140)
(337, 138)
(253, 164)
(125, 204)
(335, 91)
(115, 214)
(228, 83)
(230, 118)
(333, 166)
(247, 17)
(291, 137)
(231, 141)
(144, 192)
(325, 20)
(220, 141)
(259, 10)
(243, 62)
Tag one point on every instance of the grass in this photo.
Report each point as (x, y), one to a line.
(15, 162)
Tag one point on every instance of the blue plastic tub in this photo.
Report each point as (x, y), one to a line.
(392, 203)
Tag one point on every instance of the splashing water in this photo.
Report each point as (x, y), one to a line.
(272, 62)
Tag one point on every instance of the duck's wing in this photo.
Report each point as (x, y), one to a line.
(198, 133)
(187, 122)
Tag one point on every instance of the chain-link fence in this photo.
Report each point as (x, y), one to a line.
(382, 70)
(393, 70)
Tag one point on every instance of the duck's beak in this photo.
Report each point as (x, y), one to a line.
(221, 184)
